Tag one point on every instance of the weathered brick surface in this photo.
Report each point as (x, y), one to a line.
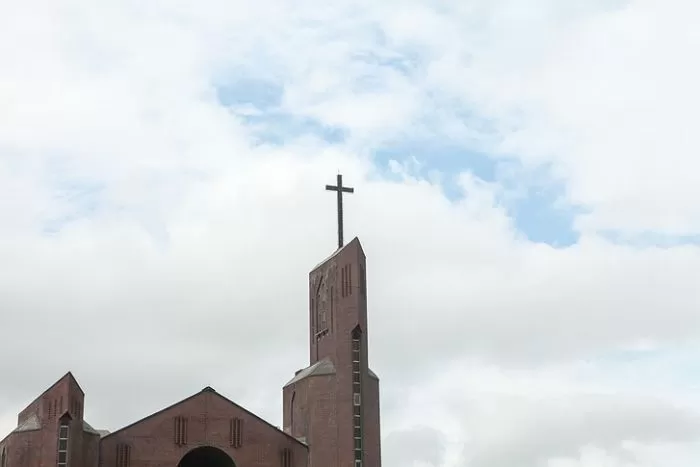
(314, 417)
(24, 449)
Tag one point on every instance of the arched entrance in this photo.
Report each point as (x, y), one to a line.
(206, 456)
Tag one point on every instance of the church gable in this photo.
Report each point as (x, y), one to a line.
(206, 418)
(63, 395)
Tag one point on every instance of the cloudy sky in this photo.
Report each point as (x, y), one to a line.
(526, 193)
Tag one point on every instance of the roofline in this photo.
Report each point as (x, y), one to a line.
(69, 375)
(211, 390)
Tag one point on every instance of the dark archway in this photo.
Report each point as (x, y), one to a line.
(206, 456)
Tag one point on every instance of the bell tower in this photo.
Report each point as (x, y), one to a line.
(333, 404)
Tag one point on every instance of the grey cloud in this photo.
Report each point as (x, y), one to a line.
(533, 431)
(419, 444)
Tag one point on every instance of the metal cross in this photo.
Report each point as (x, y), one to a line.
(340, 189)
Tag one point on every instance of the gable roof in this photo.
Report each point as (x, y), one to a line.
(207, 389)
(320, 368)
(32, 423)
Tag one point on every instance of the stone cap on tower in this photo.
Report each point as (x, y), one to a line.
(322, 367)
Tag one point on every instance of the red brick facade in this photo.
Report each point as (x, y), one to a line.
(209, 420)
(331, 408)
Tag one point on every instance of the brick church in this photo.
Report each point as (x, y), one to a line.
(330, 408)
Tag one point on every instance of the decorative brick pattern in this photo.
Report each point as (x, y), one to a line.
(287, 460)
(180, 430)
(236, 432)
(123, 455)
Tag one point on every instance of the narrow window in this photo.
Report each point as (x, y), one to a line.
(314, 312)
(3, 461)
(286, 457)
(349, 279)
(123, 455)
(345, 281)
(332, 311)
(236, 432)
(363, 281)
(291, 411)
(342, 282)
(180, 430)
(356, 354)
(63, 433)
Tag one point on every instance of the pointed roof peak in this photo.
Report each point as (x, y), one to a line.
(68, 376)
(354, 243)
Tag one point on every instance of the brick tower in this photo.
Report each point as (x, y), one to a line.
(333, 404)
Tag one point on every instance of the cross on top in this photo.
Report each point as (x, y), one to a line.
(340, 189)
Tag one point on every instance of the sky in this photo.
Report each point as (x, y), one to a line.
(525, 192)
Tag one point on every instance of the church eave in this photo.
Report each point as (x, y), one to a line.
(87, 428)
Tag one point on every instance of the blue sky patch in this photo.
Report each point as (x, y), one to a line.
(649, 239)
(262, 95)
(535, 203)
(278, 128)
(541, 215)
(79, 199)
(257, 104)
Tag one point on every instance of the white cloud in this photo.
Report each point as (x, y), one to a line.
(194, 254)
(606, 97)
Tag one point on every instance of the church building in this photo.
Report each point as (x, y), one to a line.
(330, 408)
